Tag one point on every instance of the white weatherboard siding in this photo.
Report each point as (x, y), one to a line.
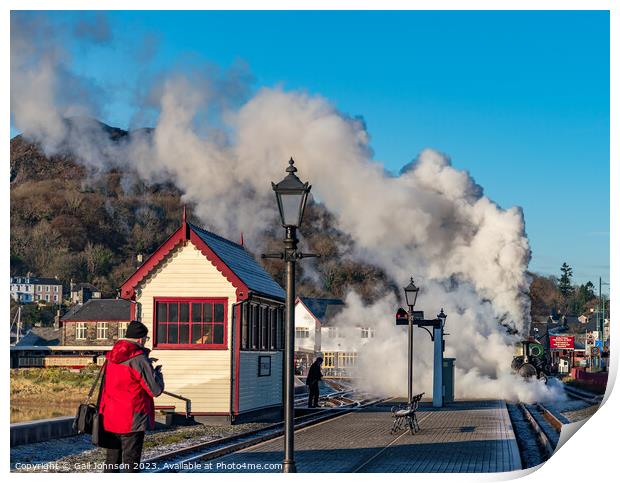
(202, 375)
(304, 319)
(257, 392)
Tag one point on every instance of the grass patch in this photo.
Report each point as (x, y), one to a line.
(54, 384)
(172, 438)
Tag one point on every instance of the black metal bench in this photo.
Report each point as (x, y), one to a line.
(405, 415)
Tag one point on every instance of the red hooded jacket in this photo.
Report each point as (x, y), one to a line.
(128, 390)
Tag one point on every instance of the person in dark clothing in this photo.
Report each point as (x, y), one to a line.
(312, 381)
(127, 406)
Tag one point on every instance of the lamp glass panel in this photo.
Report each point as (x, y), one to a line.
(291, 204)
(411, 296)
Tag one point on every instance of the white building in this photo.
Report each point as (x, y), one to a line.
(36, 289)
(316, 331)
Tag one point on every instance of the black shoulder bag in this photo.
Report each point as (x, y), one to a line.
(83, 422)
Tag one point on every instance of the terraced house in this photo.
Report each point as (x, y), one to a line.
(97, 323)
(36, 289)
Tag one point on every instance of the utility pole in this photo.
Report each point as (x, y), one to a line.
(19, 323)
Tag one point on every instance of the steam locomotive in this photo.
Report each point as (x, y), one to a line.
(531, 360)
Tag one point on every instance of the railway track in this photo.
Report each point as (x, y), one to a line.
(545, 425)
(185, 458)
(583, 395)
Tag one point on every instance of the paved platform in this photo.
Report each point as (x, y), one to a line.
(466, 436)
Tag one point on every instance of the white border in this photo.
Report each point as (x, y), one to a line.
(591, 455)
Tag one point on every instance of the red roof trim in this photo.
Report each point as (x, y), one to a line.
(184, 233)
(237, 349)
(128, 289)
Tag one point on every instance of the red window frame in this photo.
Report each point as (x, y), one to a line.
(190, 301)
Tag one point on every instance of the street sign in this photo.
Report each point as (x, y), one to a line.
(561, 342)
(418, 315)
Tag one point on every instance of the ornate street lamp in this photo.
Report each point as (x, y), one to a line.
(411, 295)
(291, 194)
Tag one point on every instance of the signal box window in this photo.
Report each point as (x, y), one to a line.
(190, 323)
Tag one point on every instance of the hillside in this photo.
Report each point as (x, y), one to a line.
(69, 222)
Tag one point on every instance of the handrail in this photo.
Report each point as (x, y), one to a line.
(188, 402)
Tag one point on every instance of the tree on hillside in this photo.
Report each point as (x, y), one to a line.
(544, 294)
(579, 302)
(565, 286)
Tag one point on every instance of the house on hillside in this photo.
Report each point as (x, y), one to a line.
(316, 331)
(36, 289)
(83, 292)
(215, 319)
(97, 323)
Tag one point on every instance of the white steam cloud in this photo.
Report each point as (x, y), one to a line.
(222, 149)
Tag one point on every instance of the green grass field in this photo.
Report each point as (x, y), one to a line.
(48, 392)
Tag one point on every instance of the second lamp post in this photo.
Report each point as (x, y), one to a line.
(411, 294)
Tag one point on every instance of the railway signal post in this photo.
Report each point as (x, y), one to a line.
(416, 317)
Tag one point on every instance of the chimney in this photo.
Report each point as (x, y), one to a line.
(57, 320)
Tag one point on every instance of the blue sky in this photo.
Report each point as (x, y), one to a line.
(519, 99)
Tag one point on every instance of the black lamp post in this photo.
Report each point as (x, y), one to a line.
(411, 295)
(291, 194)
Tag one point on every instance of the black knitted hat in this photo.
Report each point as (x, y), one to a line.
(136, 330)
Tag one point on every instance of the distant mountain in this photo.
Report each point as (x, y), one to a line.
(68, 222)
(71, 223)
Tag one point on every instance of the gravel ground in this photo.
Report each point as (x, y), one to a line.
(569, 409)
(580, 414)
(77, 454)
(572, 410)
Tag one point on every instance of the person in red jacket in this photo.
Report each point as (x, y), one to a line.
(127, 406)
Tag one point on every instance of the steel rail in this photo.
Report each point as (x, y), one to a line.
(544, 439)
(550, 417)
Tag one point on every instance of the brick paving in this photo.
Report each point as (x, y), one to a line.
(467, 436)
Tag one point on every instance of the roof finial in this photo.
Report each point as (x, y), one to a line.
(184, 213)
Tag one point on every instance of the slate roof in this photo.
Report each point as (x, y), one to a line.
(241, 263)
(100, 309)
(88, 286)
(42, 336)
(323, 309)
(36, 280)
